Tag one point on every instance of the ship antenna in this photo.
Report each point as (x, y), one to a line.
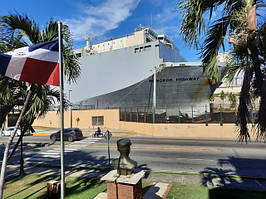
(151, 19)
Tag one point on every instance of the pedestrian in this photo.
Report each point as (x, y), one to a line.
(98, 132)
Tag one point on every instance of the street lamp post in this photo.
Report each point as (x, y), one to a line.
(70, 108)
(154, 95)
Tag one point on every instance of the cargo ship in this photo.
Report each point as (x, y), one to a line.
(140, 70)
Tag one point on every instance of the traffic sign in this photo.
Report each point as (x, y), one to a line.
(107, 135)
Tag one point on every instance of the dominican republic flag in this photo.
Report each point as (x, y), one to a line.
(37, 64)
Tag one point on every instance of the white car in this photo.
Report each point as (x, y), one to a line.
(8, 132)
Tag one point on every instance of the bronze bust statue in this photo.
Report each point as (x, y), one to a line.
(124, 164)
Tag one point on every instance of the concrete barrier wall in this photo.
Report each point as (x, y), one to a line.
(187, 131)
(111, 121)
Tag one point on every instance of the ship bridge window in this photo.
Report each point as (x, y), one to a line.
(78, 54)
(157, 45)
(146, 47)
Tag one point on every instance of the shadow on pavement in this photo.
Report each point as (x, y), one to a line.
(247, 179)
(78, 179)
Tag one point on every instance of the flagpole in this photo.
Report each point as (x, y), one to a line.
(61, 108)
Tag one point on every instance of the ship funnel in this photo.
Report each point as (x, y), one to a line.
(87, 39)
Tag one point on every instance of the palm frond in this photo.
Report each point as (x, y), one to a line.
(244, 103)
(14, 22)
(261, 121)
(193, 24)
(233, 6)
(50, 32)
(232, 70)
(261, 41)
(211, 45)
(72, 68)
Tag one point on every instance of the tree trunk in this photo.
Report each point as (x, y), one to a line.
(244, 101)
(4, 162)
(260, 85)
(30, 128)
(256, 64)
(14, 148)
(21, 168)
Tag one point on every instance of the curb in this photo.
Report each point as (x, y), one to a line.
(41, 134)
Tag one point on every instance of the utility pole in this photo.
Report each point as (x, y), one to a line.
(154, 95)
(70, 108)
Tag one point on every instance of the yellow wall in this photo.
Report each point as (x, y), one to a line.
(212, 131)
(52, 118)
(111, 121)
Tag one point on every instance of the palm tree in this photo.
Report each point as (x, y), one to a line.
(15, 28)
(222, 96)
(235, 23)
(232, 99)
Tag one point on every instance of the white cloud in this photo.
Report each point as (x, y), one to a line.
(166, 21)
(97, 20)
(157, 3)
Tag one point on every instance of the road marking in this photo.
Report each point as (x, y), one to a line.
(47, 152)
(45, 156)
(196, 159)
(125, 134)
(54, 153)
(93, 138)
(66, 150)
(83, 143)
(39, 159)
(41, 134)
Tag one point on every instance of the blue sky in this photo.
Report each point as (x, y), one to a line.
(106, 18)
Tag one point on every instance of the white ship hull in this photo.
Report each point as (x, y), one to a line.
(124, 78)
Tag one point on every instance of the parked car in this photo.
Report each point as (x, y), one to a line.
(69, 134)
(9, 131)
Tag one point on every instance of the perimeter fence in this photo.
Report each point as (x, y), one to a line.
(209, 113)
(214, 113)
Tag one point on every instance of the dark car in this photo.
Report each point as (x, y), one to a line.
(69, 134)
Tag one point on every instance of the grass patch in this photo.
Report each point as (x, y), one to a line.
(79, 188)
(200, 192)
(34, 186)
(145, 186)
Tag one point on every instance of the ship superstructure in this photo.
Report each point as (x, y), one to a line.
(119, 73)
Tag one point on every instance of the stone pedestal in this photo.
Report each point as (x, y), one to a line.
(124, 186)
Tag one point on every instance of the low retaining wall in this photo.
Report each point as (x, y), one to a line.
(111, 121)
(186, 131)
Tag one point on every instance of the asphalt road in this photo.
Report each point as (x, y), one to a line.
(190, 142)
(158, 154)
(158, 141)
(29, 139)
